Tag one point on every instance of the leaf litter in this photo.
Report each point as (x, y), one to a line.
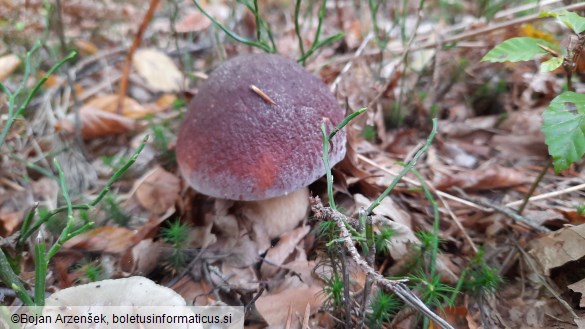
(490, 149)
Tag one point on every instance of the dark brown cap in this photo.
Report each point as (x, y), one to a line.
(253, 130)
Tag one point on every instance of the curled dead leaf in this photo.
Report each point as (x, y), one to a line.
(274, 308)
(109, 103)
(111, 239)
(158, 190)
(96, 123)
(158, 70)
(284, 248)
(558, 248)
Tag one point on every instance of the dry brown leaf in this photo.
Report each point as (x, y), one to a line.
(193, 21)
(387, 208)
(163, 103)
(196, 292)
(158, 70)
(484, 179)
(99, 117)
(240, 278)
(579, 287)
(453, 315)
(274, 308)
(286, 245)
(111, 239)
(142, 258)
(96, 123)
(303, 268)
(158, 191)
(201, 236)
(560, 247)
(9, 222)
(456, 155)
(463, 128)
(86, 47)
(109, 103)
(8, 63)
(573, 216)
(513, 147)
(400, 222)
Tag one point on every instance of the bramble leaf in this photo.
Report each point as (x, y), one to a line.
(564, 129)
(518, 49)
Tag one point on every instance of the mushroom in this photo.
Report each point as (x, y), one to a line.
(132, 291)
(252, 133)
(133, 295)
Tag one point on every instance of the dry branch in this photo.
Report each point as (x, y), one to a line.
(396, 286)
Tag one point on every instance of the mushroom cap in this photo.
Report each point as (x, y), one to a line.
(132, 291)
(235, 144)
(129, 296)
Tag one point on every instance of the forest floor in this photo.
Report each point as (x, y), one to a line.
(456, 227)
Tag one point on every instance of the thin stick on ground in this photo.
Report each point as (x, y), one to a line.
(135, 44)
(548, 195)
(396, 286)
(348, 65)
(509, 212)
(415, 183)
(533, 187)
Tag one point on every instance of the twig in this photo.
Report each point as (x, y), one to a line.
(348, 65)
(534, 186)
(454, 218)
(346, 292)
(465, 35)
(255, 298)
(415, 183)
(135, 43)
(524, 7)
(548, 195)
(508, 212)
(396, 286)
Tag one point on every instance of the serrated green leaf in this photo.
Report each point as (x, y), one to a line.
(551, 65)
(564, 129)
(518, 49)
(569, 18)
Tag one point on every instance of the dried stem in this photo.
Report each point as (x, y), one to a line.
(396, 286)
(131, 51)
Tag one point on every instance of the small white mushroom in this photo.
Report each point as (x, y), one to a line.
(122, 298)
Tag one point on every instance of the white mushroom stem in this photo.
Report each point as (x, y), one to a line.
(278, 215)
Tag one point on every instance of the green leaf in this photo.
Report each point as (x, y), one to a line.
(570, 19)
(551, 65)
(518, 49)
(564, 129)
